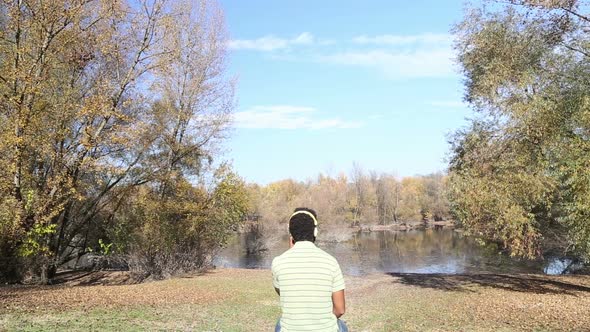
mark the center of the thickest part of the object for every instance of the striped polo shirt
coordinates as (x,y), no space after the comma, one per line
(306,277)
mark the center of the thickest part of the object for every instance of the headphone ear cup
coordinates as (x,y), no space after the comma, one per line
(315,231)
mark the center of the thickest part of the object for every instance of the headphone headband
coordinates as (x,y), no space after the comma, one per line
(315,221)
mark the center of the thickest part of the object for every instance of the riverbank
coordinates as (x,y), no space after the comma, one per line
(243,300)
(404,226)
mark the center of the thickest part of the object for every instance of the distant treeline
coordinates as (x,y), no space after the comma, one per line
(357,199)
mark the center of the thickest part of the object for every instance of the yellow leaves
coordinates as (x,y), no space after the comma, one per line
(78,109)
(34,243)
(96,105)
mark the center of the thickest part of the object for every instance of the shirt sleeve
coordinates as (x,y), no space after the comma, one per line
(275,277)
(337,280)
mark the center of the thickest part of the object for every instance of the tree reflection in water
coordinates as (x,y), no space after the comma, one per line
(430,250)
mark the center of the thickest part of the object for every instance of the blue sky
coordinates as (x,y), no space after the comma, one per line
(323,84)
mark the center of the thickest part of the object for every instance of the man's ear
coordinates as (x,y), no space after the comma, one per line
(291,241)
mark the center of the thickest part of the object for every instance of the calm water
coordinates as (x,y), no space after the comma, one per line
(414,251)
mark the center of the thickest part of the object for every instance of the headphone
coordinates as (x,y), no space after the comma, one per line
(315,221)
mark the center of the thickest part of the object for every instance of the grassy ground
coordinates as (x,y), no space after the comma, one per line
(243,300)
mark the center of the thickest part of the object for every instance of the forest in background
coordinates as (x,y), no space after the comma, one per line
(361,198)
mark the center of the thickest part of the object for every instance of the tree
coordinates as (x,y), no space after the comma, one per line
(411,196)
(358,200)
(386,199)
(65,97)
(180,233)
(388,191)
(196,99)
(519,173)
(92,95)
(434,200)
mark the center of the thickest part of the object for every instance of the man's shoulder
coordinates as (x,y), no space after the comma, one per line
(327,255)
(280,257)
(276,259)
(296,252)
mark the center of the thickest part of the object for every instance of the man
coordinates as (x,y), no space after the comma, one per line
(308,280)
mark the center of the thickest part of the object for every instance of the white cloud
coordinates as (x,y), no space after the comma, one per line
(398,63)
(304,38)
(270,42)
(426,38)
(396,56)
(400,56)
(287,117)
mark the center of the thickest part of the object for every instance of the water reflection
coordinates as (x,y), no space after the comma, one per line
(562,265)
(415,251)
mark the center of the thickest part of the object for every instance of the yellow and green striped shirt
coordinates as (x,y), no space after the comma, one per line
(306,277)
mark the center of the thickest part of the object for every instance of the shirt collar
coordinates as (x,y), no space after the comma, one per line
(304,244)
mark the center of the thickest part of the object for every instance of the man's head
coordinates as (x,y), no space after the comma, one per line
(303,225)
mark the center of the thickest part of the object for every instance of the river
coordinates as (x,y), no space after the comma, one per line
(430,250)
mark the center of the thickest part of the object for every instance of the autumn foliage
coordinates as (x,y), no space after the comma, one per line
(110,112)
(361,198)
(519,173)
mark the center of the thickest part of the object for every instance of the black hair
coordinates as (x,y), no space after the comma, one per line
(301,226)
